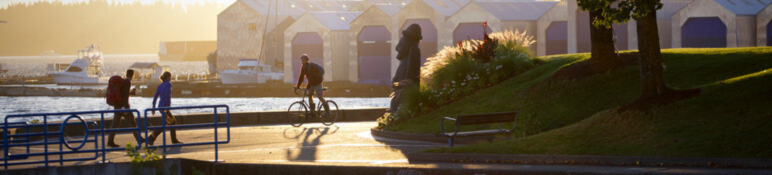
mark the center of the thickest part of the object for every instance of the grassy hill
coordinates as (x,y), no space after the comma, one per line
(732,117)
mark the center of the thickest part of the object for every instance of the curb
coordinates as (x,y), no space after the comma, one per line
(191,166)
(561,159)
(592,160)
(438,138)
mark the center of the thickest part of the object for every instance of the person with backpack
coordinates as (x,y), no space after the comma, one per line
(315,75)
(165,92)
(123,103)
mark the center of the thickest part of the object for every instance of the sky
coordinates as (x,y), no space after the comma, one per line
(6,3)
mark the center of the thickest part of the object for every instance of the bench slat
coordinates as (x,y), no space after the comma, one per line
(471,119)
(483,132)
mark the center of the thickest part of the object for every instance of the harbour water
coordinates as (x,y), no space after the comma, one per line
(113,64)
(29,105)
(116,65)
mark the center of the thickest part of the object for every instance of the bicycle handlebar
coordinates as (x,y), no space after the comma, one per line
(295,90)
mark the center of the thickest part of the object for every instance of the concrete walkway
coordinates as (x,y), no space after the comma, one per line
(346,148)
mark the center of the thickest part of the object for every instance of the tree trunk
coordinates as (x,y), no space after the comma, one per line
(652,68)
(603,55)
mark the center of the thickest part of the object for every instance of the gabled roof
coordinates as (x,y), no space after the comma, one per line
(670,7)
(324,5)
(561,5)
(296,8)
(744,7)
(284,8)
(446,7)
(390,7)
(335,20)
(516,10)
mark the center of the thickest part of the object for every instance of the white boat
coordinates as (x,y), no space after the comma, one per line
(84,70)
(250,72)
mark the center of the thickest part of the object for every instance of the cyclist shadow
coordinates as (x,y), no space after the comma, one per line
(310,139)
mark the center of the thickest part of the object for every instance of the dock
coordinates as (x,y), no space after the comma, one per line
(14,87)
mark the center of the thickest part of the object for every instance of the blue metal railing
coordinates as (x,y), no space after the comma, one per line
(91,129)
(214,124)
(62,141)
(23,140)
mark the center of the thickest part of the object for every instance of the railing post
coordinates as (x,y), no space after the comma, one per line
(61,140)
(216,148)
(228,122)
(5,144)
(163,130)
(104,159)
(45,138)
(145,124)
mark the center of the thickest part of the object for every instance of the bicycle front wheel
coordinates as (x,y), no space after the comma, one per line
(333,116)
(296,114)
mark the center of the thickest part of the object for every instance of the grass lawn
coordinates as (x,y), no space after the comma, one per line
(731,118)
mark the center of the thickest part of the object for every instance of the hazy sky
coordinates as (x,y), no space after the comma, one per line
(6,3)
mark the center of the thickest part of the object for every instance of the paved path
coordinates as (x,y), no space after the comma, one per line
(344,142)
(350,144)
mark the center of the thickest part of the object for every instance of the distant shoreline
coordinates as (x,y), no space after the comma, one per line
(70,56)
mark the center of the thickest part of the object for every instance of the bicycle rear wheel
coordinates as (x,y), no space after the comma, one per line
(296,114)
(333,116)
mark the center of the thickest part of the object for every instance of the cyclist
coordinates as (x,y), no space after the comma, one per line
(315,75)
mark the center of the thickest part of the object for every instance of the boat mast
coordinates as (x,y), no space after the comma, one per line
(265,29)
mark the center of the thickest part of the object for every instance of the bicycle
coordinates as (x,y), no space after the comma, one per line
(298,112)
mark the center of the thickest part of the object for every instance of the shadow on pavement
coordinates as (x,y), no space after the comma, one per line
(310,138)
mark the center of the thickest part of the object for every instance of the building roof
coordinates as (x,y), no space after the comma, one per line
(516,10)
(296,8)
(335,20)
(285,9)
(446,7)
(323,5)
(670,7)
(744,7)
(390,7)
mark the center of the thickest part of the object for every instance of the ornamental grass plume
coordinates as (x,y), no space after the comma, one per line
(441,69)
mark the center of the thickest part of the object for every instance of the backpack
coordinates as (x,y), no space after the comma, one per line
(318,67)
(113,95)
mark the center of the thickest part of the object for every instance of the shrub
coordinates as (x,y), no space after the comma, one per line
(454,73)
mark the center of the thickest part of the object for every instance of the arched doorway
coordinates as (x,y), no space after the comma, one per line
(769,33)
(306,43)
(557,38)
(428,44)
(465,31)
(374,51)
(703,32)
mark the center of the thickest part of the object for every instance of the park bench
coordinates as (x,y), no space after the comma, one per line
(476,119)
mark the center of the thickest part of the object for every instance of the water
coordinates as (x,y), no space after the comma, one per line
(113,64)
(29,105)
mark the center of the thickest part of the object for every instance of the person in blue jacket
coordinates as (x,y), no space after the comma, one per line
(165,92)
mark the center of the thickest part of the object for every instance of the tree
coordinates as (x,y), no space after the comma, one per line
(602,55)
(651,65)
(650,58)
